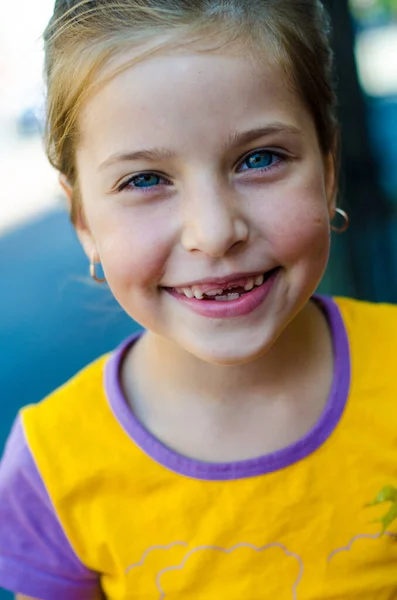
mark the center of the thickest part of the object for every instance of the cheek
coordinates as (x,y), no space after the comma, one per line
(299,228)
(305,238)
(133,247)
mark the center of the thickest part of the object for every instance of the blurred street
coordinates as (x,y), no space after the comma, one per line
(29,185)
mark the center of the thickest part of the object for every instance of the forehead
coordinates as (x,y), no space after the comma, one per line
(171,98)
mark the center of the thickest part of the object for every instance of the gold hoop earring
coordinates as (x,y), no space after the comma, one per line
(93,273)
(346,223)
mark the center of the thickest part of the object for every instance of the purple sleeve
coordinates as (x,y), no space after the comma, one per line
(36,558)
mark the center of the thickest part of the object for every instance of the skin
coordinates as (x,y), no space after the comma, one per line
(211,216)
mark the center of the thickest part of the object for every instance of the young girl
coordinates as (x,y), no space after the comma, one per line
(229,451)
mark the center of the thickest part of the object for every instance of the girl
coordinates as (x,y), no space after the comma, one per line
(228,452)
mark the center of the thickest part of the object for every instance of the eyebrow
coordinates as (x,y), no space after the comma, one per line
(154,154)
(237,138)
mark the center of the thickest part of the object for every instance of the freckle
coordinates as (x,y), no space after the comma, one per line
(318,220)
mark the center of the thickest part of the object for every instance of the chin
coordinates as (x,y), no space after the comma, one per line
(230,353)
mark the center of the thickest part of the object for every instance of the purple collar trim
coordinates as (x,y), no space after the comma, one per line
(268,463)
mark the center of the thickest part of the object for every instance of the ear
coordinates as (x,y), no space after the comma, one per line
(83,232)
(330,183)
(67,188)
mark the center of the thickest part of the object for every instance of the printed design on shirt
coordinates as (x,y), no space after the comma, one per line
(212,572)
(175,571)
(152,549)
(142,574)
(180,570)
(356,538)
(217,570)
(373,556)
(387,495)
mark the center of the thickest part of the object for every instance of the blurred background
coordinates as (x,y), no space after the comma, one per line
(52,319)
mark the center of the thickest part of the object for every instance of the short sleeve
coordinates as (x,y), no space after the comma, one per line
(36,558)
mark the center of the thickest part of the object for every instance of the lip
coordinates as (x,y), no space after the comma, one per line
(244,305)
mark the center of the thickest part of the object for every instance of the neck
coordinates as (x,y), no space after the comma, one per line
(217,413)
(303,344)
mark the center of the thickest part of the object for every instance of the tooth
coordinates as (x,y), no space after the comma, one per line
(259,280)
(198,294)
(214,292)
(227,297)
(188,292)
(249,286)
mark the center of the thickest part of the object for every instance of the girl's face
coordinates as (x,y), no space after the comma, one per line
(200,171)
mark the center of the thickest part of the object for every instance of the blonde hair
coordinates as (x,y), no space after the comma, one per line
(84,35)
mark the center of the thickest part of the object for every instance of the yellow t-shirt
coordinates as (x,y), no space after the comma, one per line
(149,524)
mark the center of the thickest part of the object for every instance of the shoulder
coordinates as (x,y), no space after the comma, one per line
(371,331)
(73,432)
(74,422)
(85,397)
(67,417)
(369,321)
(69,400)
(83,385)
(359,311)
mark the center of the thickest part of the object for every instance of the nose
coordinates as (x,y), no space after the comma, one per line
(213,221)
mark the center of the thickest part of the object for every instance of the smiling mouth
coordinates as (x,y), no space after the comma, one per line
(227,293)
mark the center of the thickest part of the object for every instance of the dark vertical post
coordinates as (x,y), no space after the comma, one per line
(366,245)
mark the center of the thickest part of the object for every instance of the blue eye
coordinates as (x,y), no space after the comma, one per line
(146,180)
(261,159)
